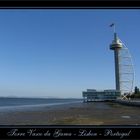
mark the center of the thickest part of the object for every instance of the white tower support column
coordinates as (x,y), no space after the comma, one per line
(116,46)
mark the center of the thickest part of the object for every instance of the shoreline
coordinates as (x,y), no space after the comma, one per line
(128,102)
(95,113)
(33,107)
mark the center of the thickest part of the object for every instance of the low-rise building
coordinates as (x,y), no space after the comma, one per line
(102,95)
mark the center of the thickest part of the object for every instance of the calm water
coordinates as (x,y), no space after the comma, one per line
(21,102)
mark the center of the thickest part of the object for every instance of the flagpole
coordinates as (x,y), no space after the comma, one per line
(114,28)
(113,25)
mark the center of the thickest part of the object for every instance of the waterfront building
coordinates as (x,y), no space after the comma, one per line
(100,95)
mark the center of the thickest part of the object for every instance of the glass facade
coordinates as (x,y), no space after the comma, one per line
(94,95)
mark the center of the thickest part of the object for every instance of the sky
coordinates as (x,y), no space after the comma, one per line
(62,52)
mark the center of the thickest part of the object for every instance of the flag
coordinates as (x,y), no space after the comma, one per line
(111,25)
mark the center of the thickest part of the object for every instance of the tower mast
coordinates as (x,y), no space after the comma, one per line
(116,45)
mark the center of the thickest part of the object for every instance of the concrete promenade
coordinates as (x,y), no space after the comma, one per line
(131,102)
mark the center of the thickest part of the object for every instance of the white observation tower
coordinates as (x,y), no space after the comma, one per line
(124,71)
